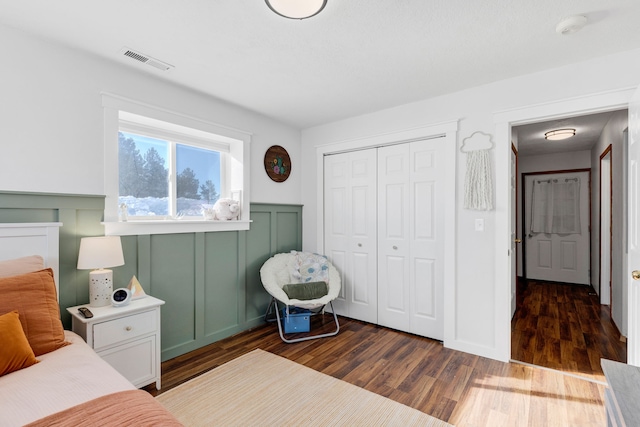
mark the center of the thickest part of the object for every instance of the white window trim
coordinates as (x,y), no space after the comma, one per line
(132,124)
(239,151)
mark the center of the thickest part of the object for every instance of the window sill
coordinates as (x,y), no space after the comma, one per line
(131,228)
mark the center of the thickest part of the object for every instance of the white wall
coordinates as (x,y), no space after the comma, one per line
(543,163)
(556,161)
(612,135)
(51,118)
(481,308)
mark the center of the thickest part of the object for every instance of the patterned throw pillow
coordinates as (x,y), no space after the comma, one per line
(310,267)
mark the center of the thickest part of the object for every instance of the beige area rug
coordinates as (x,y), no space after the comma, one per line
(262,389)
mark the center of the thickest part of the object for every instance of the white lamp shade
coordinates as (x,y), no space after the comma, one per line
(97,253)
(296,9)
(100,252)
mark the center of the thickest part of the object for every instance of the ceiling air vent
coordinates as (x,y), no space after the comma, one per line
(146,59)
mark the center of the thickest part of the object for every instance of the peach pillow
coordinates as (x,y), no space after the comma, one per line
(15,352)
(33,295)
(22,265)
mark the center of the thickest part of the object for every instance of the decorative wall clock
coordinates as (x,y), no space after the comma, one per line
(277,163)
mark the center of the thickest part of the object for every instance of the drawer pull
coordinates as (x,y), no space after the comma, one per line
(128,328)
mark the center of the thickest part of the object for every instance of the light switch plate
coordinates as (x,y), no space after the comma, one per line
(479,224)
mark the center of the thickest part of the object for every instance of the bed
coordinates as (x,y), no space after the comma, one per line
(59,379)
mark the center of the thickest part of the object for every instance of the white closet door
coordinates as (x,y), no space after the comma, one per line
(394,243)
(410,237)
(350,230)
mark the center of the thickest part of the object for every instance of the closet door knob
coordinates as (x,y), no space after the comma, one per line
(359,245)
(635,274)
(395,248)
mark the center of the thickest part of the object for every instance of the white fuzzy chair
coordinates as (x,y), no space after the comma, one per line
(275,273)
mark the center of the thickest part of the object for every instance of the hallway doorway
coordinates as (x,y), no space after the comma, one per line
(559,325)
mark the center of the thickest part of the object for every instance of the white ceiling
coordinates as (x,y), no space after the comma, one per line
(355,57)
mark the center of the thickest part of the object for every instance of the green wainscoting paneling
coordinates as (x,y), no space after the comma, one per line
(209,281)
(221,273)
(275,229)
(259,249)
(173,280)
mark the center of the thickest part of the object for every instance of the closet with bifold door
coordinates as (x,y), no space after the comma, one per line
(384,231)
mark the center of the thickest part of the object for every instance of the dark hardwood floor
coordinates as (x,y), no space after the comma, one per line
(564,327)
(461,388)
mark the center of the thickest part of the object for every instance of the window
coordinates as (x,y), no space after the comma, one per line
(148,173)
(163,168)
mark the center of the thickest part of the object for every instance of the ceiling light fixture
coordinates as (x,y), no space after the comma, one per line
(296,9)
(558,134)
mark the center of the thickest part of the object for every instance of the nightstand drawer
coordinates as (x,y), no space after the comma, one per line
(122,329)
(136,360)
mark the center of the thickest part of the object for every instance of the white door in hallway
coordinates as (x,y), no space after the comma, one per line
(411,237)
(350,230)
(557,256)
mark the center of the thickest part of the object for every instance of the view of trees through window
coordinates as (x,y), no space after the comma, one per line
(144,171)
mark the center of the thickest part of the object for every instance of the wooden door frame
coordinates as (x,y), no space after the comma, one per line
(514,150)
(523,213)
(608,150)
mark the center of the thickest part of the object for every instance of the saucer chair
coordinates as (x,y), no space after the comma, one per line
(276,272)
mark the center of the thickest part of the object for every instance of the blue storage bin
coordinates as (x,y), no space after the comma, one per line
(297,320)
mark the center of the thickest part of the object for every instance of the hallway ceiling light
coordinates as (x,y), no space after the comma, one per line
(558,134)
(296,9)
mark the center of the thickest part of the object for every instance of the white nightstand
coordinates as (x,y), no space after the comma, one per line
(128,337)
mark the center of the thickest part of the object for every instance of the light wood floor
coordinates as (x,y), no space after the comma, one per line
(457,387)
(564,327)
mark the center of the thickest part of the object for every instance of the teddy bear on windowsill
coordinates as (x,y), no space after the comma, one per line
(223,210)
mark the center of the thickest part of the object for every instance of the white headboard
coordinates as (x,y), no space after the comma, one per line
(25,239)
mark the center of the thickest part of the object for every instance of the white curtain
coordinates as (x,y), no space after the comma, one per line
(555,206)
(540,199)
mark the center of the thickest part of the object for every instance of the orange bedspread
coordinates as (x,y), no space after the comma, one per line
(125,408)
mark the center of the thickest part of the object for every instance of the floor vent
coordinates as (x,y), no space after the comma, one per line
(146,59)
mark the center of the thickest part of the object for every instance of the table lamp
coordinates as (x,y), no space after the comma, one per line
(99,253)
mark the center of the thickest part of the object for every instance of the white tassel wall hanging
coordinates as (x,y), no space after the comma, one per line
(478,183)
